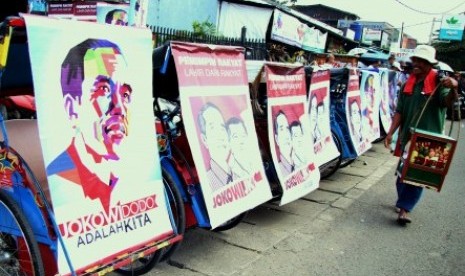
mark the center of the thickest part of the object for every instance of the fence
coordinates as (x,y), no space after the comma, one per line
(256,49)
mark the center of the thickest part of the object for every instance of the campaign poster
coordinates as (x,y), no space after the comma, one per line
(116,14)
(359,127)
(218,119)
(384,107)
(85,11)
(95,119)
(138,11)
(291,31)
(370,93)
(324,147)
(393,77)
(60,9)
(289,131)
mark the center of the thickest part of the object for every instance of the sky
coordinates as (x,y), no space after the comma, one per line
(418,21)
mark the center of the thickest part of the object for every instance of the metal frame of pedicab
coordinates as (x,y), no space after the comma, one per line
(176,156)
(22,189)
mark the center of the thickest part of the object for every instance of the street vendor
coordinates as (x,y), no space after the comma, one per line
(421,84)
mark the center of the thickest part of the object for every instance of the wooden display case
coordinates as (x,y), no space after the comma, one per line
(427,160)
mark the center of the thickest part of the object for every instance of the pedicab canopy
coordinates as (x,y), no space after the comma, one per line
(319,113)
(96,131)
(218,119)
(359,125)
(290,131)
(370,93)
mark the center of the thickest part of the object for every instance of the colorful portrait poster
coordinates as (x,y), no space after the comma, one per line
(116,14)
(384,107)
(60,9)
(324,147)
(393,90)
(218,119)
(291,31)
(85,11)
(359,127)
(289,131)
(95,120)
(370,93)
(138,11)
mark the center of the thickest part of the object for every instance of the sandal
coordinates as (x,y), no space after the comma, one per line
(403,219)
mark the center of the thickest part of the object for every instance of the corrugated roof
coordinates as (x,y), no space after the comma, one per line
(332,8)
(291,11)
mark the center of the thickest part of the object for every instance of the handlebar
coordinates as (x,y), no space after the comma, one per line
(169,112)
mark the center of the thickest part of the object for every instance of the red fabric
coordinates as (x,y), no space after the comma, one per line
(429,84)
(24,101)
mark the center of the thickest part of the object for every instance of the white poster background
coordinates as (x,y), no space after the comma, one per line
(306,176)
(244,193)
(139,167)
(370,92)
(325,149)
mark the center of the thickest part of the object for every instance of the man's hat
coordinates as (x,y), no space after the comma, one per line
(425,52)
(396,64)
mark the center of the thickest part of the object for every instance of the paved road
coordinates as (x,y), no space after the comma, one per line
(347,227)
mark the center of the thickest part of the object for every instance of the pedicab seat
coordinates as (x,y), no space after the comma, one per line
(23,137)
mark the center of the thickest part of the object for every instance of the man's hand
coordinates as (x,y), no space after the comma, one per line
(387,141)
(449,82)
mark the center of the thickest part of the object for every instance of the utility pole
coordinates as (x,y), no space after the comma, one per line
(431,31)
(401,35)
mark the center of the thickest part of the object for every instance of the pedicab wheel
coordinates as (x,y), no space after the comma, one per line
(19,250)
(177,209)
(331,167)
(145,264)
(141,265)
(335,164)
(230,223)
(346,162)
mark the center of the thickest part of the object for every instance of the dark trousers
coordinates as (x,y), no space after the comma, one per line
(408,195)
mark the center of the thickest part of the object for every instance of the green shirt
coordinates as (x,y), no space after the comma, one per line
(410,106)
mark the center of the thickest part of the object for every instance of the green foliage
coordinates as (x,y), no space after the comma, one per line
(203,28)
(452,20)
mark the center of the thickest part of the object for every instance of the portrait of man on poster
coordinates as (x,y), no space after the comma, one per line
(214,136)
(355,117)
(117,17)
(316,114)
(241,163)
(96,98)
(298,144)
(283,140)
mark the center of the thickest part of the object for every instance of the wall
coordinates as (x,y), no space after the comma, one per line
(180,14)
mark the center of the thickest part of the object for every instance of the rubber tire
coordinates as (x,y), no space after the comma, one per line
(151,262)
(230,223)
(165,253)
(26,228)
(174,194)
(326,170)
